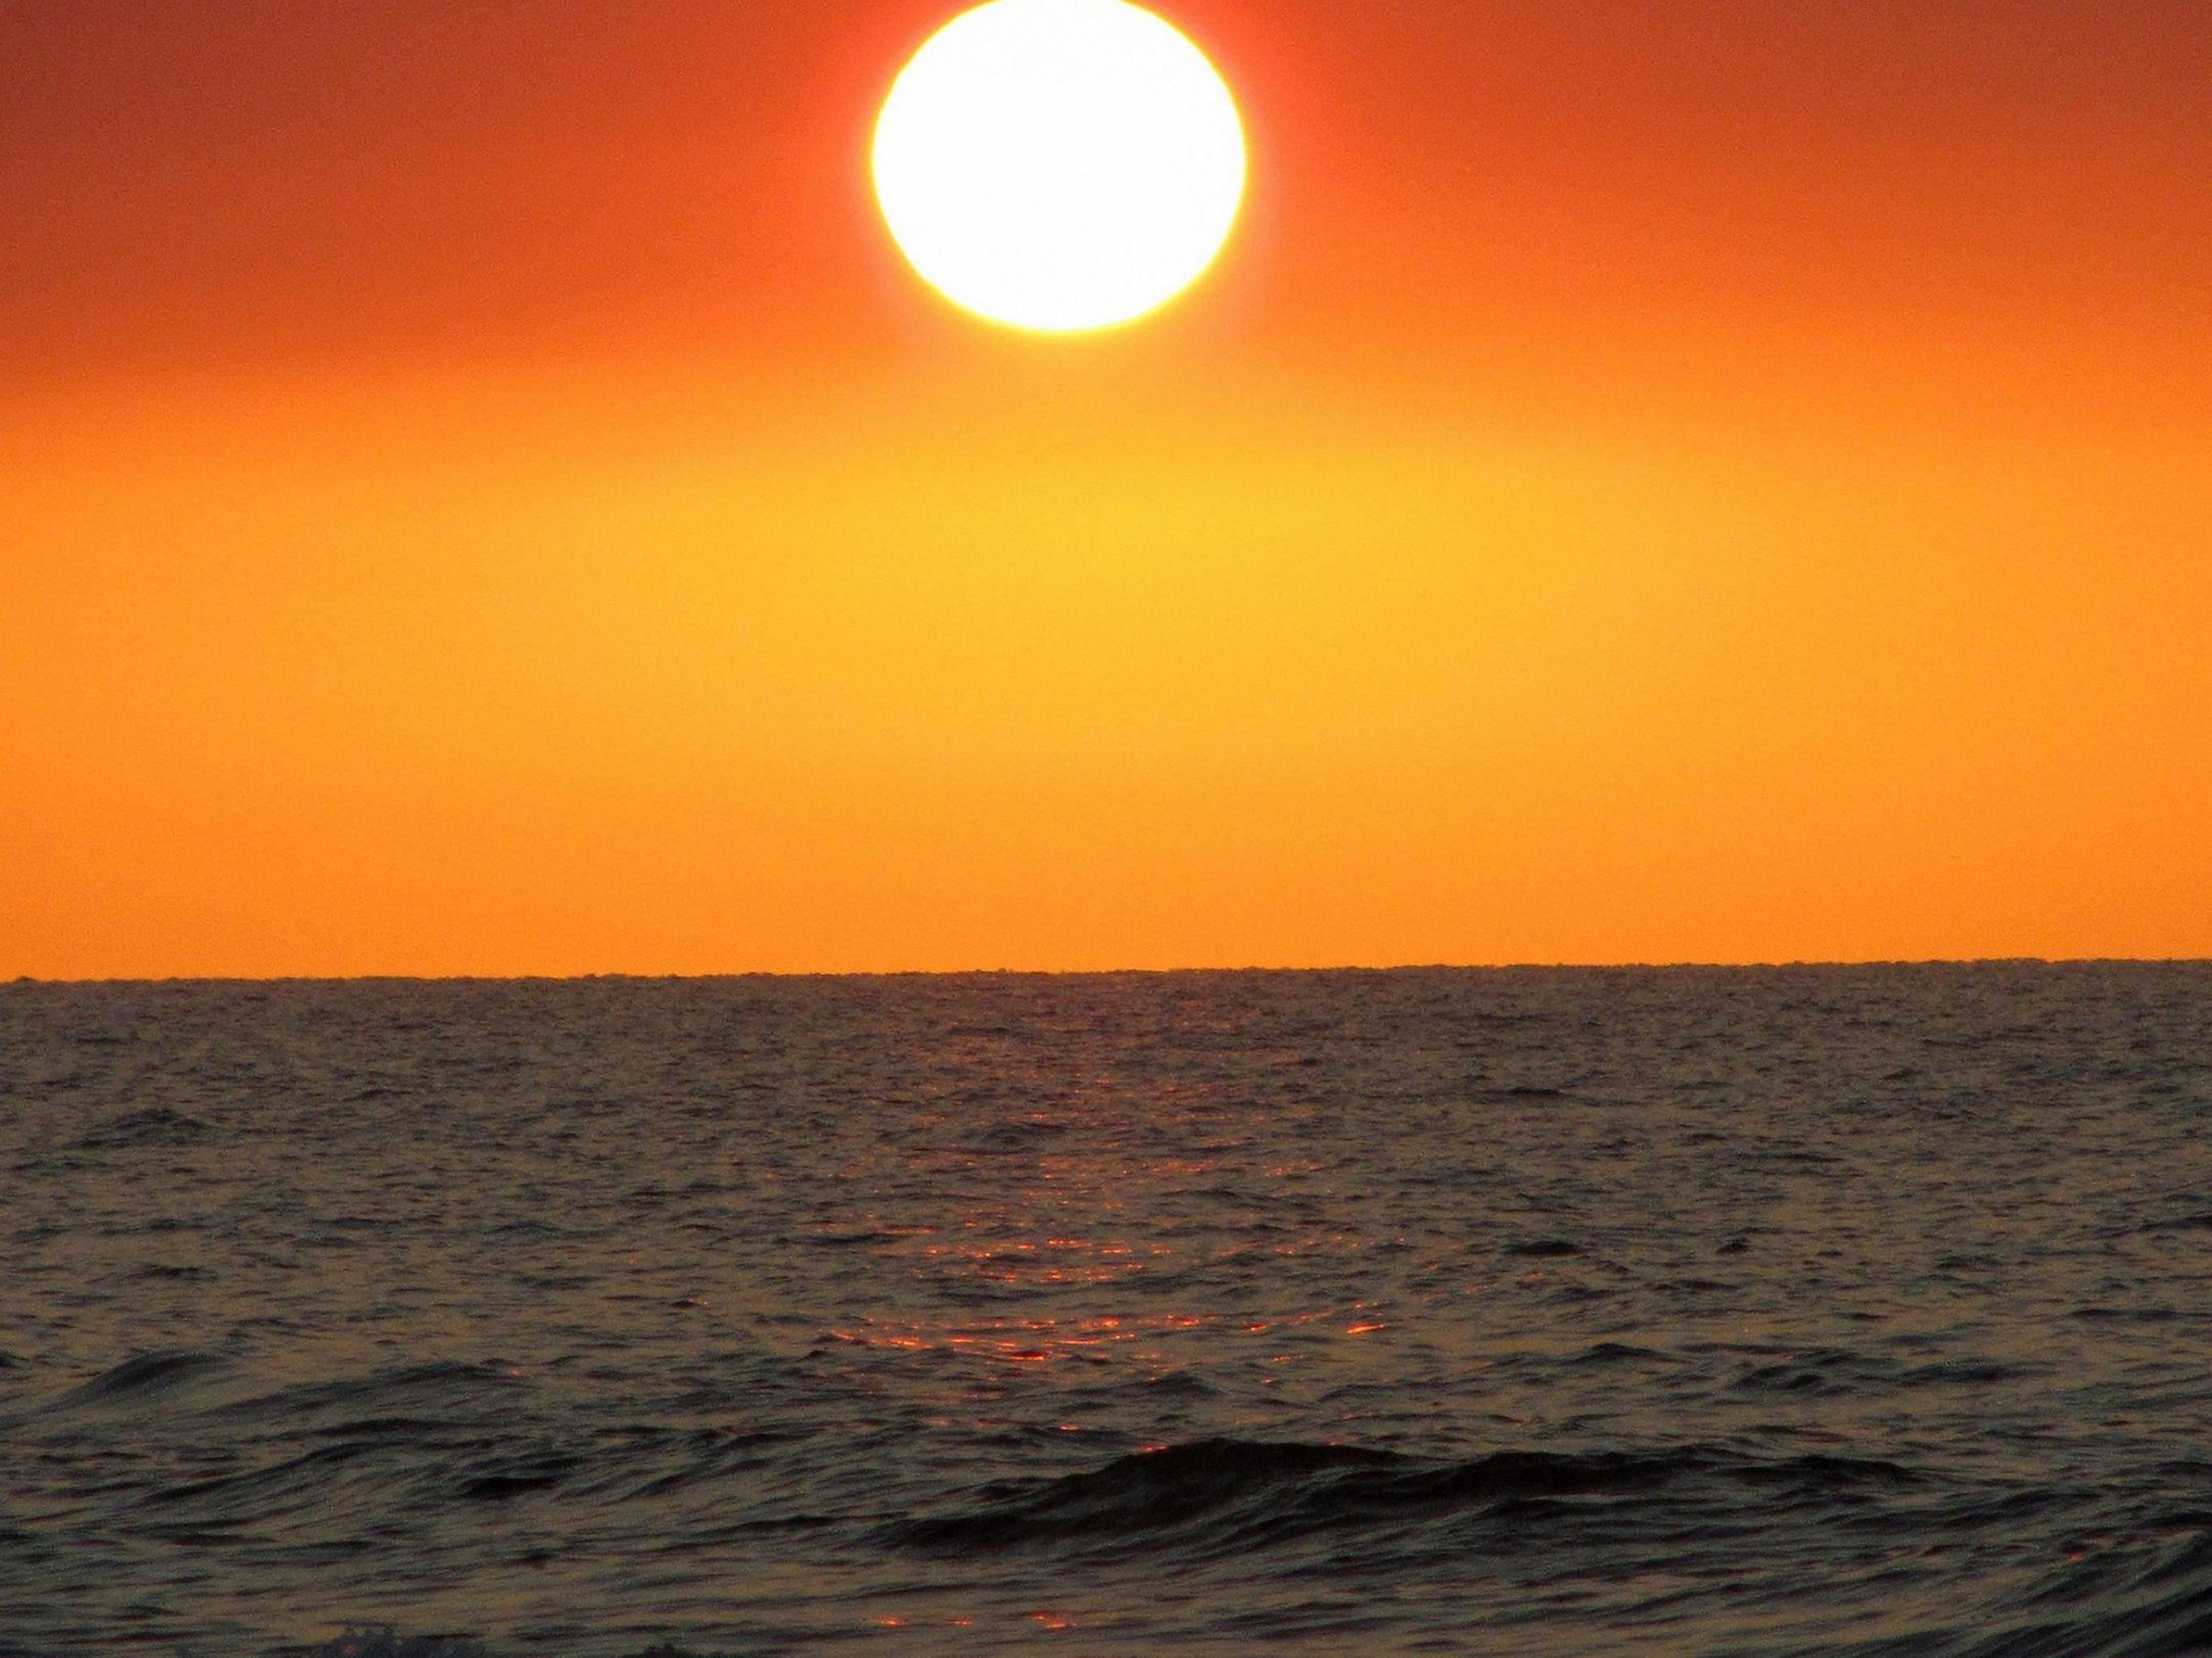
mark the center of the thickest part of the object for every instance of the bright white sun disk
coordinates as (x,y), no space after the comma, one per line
(1059,164)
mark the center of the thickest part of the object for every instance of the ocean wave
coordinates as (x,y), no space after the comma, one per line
(407,1394)
(1256,1492)
(145,1375)
(155,1124)
(2163,1609)
(2158,1606)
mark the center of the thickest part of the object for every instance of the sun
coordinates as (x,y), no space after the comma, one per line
(1059,165)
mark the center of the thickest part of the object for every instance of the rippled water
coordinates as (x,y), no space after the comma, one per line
(1814,1310)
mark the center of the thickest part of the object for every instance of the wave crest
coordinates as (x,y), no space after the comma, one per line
(1248,1492)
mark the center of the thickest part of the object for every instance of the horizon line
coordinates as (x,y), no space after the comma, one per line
(1684,966)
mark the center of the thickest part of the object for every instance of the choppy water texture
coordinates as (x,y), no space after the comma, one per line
(1814,1310)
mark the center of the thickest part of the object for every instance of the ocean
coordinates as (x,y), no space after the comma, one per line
(1798,1310)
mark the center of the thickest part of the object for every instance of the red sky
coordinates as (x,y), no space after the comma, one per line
(1716,481)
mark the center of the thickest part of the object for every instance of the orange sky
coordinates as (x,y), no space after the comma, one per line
(480,494)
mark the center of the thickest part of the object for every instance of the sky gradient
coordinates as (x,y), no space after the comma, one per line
(1718,482)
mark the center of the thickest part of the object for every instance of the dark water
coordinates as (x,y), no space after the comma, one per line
(1782,1311)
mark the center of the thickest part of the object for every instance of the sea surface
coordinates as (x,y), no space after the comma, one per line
(1802,1310)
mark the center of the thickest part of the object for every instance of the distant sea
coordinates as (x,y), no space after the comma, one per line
(1801,1310)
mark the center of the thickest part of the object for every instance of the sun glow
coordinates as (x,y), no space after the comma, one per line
(1059,165)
